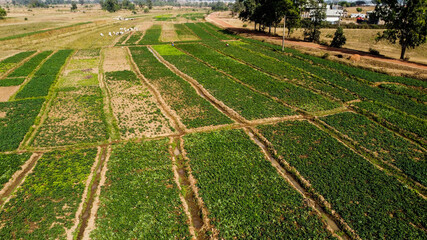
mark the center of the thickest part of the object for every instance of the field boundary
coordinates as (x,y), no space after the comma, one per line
(5,74)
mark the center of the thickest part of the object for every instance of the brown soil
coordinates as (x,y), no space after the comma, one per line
(115,60)
(3,114)
(233,26)
(7,92)
(169,33)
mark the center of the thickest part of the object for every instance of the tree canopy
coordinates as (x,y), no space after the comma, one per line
(2,13)
(405,20)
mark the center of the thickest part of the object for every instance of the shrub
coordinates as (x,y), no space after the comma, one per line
(339,38)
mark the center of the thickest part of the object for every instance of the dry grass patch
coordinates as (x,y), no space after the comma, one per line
(115,60)
(7,92)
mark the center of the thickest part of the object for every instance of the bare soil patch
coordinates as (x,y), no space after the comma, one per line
(169,33)
(3,114)
(7,92)
(115,60)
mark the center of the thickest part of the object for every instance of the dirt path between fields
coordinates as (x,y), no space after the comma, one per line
(213,17)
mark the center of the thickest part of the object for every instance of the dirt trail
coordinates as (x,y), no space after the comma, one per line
(18,178)
(89,215)
(213,17)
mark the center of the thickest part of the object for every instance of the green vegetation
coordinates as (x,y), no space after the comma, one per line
(152,35)
(134,39)
(183,32)
(45,205)
(177,92)
(140,199)
(19,118)
(208,28)
(10,62)
(192,16)
(200,32)
(416,94)
(30,66)
(165,17)
(249,104)
(382,142)
(399,119)
(372,203)
(285,91)
(244,194)
(7,82)
(9,164)
(40,84)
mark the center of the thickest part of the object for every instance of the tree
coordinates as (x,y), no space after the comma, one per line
(405,21)
(312,25)
(73,6)
(82,2)
(236,8)
(359,9)
(150,4)
(110,5)
(339,38)
(3,13)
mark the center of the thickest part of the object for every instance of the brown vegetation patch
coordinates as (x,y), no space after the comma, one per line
(7,92)
(169,33)
(115,60)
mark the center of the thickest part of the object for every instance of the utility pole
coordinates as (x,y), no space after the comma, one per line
(283,40)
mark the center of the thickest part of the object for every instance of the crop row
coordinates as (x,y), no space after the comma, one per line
(360,88)
(399,119)
(383,143)
(10,62)
(44,207)
(140,199)
(134,39)
(134,106)
(122,39)
(249,104)
(19,118)
(28,67)
(375,205)
(200,32)
(9,164)
(245,196)
(40,84)
(177,92)
(214,32)
(343,68)
(413,93)
(192,16)
(152,35)
(291,94)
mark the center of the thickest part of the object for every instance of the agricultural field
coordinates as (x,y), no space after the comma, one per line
(181,130)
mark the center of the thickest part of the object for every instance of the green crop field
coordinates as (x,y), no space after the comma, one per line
(213,136)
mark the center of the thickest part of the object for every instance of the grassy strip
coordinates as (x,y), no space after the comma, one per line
(192,16)
(9,164)
(7,82)
(19,118)
(249,104)
(200,32)
(39,85)
(46,204)
(372,203)
(244,194)
(29,66)
(177,92)
(401,120)
(134,38)
(140,199)
(152,35)
(207,27)
(291,94)
(10,62)
(41,31)
(361,88)
(383,143)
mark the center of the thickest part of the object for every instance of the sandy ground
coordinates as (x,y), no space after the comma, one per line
(115,60)
(7,92)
